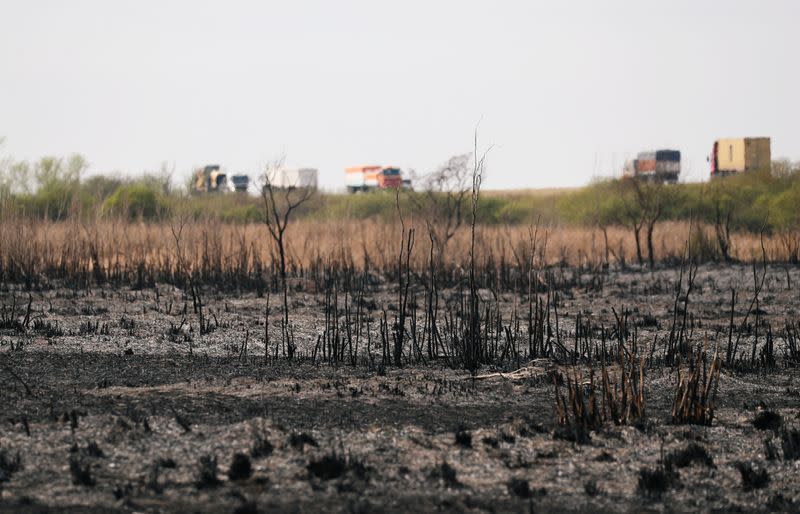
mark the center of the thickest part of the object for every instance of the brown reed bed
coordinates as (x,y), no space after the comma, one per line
(36,252)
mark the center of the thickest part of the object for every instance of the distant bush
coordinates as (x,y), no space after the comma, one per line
(101,186)
(249,213)
(374,204)
(135,201)
(784,208)
(53,201)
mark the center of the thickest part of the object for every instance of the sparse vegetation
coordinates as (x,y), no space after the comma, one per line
(333,465)
(463,437)
(81,472)
(8,465)
(207,472)
(240,468)
(655,482)
(790,443)
(697,390)
(261,448)
(753,477)
(519,487)
(447,476)
(767,420)
(692,454)
(301,440)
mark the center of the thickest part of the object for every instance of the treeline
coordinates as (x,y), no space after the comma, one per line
(57,189)
(756,203)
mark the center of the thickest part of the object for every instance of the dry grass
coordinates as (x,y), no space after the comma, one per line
(621,396)
(30,250)
(697,388)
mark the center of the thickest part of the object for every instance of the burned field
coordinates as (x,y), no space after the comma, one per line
(577,389)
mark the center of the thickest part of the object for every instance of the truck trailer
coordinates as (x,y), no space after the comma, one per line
(655,166)
(740,155)
(370,178)
(285,178)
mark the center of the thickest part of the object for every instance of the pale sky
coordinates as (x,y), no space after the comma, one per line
(564,90)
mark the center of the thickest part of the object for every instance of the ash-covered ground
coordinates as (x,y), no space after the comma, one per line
(114,401)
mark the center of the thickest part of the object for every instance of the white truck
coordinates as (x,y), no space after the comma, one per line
(284,178)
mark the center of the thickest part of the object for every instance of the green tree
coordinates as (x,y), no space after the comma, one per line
(785,217)
(718,205)
(136,200)
(632,215)
(5,185)
(100,187)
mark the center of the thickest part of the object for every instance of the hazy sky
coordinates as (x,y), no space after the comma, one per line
(563,90)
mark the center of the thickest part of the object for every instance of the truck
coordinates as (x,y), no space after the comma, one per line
(285,178)
(740,155)
(663,166)
(210,179)
(239,183)
(374,177)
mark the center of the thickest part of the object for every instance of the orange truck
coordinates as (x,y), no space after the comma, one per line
(370,178)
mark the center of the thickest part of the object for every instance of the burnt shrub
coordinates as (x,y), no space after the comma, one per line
(790,443)
(692,454)
(207,472)
(123,490)
(241,468)
(490,441)
(768,420)
(8,465)
(752,477)
(605,457)
(47,329)
(301,440)
(463,437)
(519,488)
(508,438)
(167,463)
(696,391)
(769,450)
(182,422)
(334,465)
(446,474)
(93,450)
(80,472)
(328,467)
(779,503)
(655,482)
(152,482)
(591,488)
(261,448)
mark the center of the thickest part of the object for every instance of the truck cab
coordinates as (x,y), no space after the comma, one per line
(370,178)
(210,179)
(239,183)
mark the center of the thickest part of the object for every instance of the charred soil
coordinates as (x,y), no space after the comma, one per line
(129,400)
